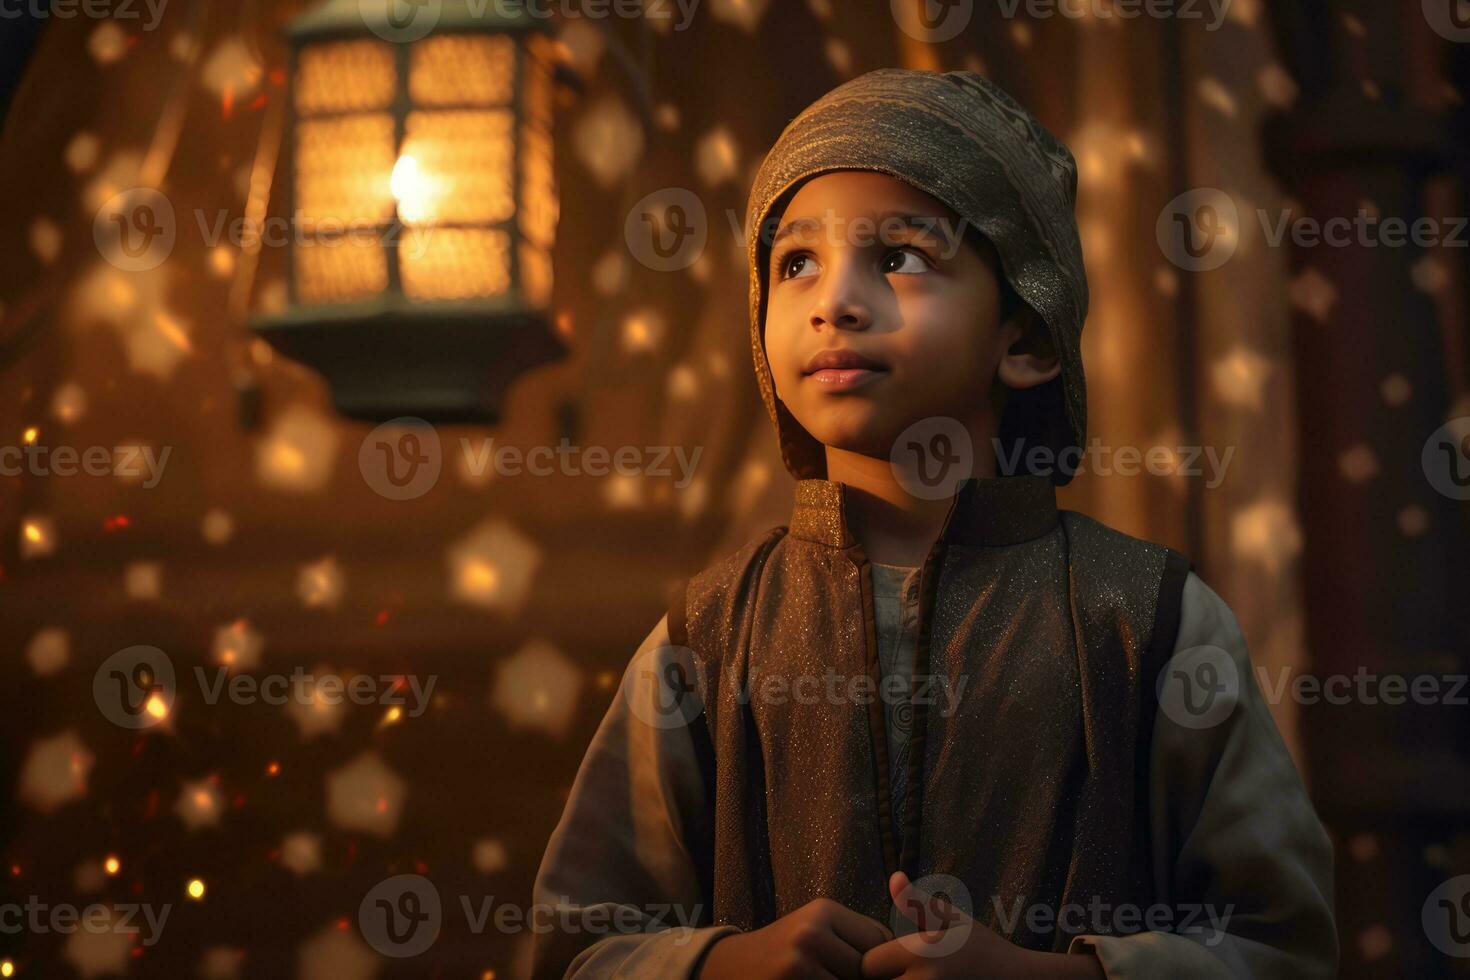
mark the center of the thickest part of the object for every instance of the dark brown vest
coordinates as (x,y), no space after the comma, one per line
(1030,791)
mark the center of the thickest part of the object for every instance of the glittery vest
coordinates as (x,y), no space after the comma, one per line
(1029,788)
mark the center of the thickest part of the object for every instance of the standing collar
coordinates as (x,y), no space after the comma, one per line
(986,512)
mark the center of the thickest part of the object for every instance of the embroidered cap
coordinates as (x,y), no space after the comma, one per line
(961,139)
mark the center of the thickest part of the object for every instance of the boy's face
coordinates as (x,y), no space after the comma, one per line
(913,307)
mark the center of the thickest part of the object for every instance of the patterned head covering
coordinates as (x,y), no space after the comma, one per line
(959,138)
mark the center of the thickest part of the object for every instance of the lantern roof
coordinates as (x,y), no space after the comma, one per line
(410,20)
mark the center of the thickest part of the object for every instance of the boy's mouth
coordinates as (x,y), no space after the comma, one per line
(842,369)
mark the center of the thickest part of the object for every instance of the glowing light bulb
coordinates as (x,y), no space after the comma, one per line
(411,188)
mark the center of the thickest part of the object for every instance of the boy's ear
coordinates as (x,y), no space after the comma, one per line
(1030,358)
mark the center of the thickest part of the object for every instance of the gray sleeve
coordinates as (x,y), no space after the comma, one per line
(1236,841)
(618,879)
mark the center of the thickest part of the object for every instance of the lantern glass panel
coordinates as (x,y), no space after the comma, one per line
(462,70)
(345,76)
(447,263)
(461,167)
(340,269)
(343,165)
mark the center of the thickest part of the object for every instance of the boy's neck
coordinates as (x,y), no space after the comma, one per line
(894,526)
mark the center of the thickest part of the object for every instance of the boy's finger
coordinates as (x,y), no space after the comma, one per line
(886,961)
(857,930)
(928,912)
(835,954)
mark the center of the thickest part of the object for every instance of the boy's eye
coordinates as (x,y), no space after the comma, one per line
(797,266)
(904,261)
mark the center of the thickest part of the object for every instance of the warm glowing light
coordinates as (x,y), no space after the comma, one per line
(157,706)
(30,436)
(481,577)
(33,533)
(411,188)
(393,715)
(288,460)
(7,968)
(196,888)
(173,330)
(273,768)
(112,864)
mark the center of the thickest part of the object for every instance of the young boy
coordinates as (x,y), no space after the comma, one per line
(927,705)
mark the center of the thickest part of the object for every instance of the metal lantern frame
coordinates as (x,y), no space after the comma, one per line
(389,356)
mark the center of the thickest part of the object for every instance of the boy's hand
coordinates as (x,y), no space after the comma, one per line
(950,943)
(823,939)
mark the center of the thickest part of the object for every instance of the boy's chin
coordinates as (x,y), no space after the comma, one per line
(874,441)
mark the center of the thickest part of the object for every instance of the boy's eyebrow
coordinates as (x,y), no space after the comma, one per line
(923,222)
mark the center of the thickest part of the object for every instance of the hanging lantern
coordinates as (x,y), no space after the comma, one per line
(421,178)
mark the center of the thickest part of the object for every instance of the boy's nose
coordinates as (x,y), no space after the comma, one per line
(843,308)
